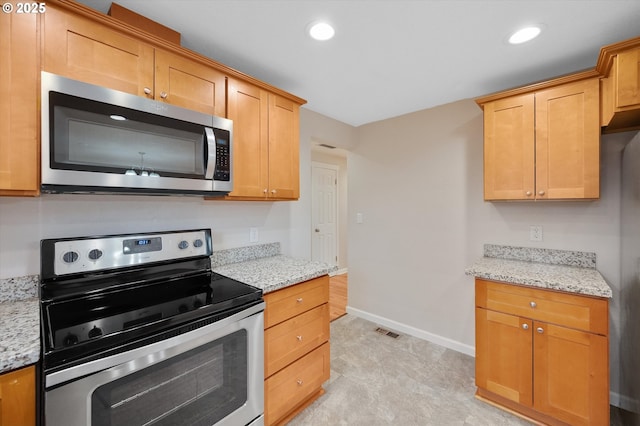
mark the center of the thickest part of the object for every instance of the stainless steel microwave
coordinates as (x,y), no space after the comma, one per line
(96,139)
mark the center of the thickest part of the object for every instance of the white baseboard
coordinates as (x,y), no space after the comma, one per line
(338,272)
(415,332)
(624,402)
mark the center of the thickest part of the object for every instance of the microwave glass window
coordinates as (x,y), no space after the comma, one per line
(124,142)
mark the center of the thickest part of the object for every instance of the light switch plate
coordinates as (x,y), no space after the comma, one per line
(253,235)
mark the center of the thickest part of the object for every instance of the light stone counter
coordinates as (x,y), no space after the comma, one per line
(569,271)
(19,323)
(262,267)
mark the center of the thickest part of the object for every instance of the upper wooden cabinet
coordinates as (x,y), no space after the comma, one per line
(82,49)
(543,142)
(19,87)
(265,143)
(620,64)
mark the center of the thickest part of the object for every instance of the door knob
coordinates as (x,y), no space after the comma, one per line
(317,230)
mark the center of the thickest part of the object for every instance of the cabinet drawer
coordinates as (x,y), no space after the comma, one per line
(289,340)
(294,300)
(285,390)
(569,310)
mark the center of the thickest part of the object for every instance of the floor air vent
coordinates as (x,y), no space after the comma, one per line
(387,332)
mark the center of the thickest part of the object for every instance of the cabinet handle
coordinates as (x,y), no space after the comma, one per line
(528,193)
(540,330)
(299,338)
(525,326)
(533,304)
(164,95)
(299,382)
(147,91)
(541,192)
(299,300)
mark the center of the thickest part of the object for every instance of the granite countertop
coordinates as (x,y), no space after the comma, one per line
(19,323)
(262,267)
(562,270)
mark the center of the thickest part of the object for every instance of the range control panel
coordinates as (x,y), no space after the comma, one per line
(111,252)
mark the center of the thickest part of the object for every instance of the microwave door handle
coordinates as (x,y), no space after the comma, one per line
(210,152)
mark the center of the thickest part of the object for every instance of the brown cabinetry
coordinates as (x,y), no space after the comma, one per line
(266,143)
(542,353)
(83,49)
(296,348)
(19,86)
(18,397)
(620,64)
(543,143)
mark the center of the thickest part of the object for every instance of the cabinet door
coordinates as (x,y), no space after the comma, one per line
(568,141)
(18,397)
(509,148)
(571,374)
(19,84)
(628,78)
(184,82)
(504,355)
(85,50)
(248,108)
(284,159)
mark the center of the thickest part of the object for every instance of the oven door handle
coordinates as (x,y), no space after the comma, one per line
(165,349)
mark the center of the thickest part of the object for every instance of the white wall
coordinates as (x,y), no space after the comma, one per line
(417,179)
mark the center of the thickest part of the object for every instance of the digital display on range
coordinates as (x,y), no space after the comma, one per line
(142,245)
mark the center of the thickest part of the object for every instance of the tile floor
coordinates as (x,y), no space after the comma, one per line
(378,380)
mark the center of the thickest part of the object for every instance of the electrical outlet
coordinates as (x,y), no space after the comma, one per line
(253,235)
(535,233)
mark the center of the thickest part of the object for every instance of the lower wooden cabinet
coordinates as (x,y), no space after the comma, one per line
(542,353)
(296,347)
(18,397)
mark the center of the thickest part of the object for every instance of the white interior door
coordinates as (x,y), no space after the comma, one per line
(324,213)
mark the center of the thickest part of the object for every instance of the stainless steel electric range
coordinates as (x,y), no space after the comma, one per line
(138,330)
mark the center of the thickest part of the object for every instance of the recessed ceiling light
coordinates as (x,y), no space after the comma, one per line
(524,35)
(321,31)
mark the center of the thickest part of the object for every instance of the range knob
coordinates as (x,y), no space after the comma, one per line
(70,257)
(198,243)
(183,245)
(95,332)
(95,254)
(70,339)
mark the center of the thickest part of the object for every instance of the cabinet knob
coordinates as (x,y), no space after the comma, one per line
(540,192)
(299,300)
(299,382)
(540,330)
(264,190)
(164,95)
(273,191)
(147,91)
(525,326)
(299,338)
(528,193)
(533,304)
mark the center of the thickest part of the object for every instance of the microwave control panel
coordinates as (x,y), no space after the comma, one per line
(223,160)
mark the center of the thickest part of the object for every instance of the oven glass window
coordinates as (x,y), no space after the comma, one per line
(198,387)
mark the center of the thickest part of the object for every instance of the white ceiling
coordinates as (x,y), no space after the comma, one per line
(389,57)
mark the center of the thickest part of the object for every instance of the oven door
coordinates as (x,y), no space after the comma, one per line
(211,375)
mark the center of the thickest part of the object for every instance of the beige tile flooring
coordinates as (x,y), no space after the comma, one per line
(379,380)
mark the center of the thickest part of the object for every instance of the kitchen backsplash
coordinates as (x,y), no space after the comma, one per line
(20,288)
(541,255)
(243,254)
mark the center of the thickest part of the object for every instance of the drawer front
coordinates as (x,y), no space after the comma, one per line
(291,386)
(568,310)
(291,339)
(294,300)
